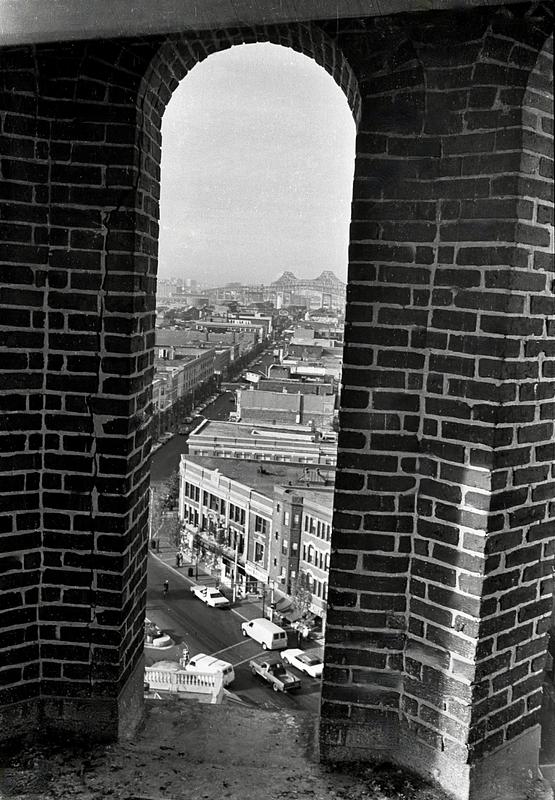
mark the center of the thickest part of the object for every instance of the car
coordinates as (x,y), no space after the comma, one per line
(210,595)
(205,663)
(309,663)
(274,673)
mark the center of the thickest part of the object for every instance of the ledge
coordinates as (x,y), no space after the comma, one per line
(185,749)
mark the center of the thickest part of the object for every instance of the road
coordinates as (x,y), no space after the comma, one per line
(209,630)
(215,631)
(166,459)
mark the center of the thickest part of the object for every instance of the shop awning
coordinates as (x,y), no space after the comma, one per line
(293,615)
(283,605)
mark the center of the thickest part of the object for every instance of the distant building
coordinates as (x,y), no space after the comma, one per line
(263,442)
(276,408)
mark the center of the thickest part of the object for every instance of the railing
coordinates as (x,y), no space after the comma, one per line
(179,681)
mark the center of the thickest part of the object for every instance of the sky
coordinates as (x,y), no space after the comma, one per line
(257,168)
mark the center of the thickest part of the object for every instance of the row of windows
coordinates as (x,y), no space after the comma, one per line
(236,514)
(213,502)
(217,504)
(257,455)
(316,557)
(320,589)
(191,491)
(318,528)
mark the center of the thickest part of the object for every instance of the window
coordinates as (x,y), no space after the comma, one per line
(296,519)
(327,561)
(275,562)
(284,547)
(260,524)
(278,507)
(294,547)
(304,552)
(286,517)
(258,552)
(310,554)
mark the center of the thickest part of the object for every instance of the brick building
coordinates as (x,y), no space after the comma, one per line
(440,576)
(269,523)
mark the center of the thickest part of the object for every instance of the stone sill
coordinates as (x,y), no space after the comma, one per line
(189,750)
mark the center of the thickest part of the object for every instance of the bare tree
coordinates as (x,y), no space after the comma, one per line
(301,594)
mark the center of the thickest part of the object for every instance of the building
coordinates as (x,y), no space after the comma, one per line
(260,406)
(296,445)
(230,504)
(266,526)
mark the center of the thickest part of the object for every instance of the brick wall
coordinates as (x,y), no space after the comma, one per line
(439,587)
(80,160)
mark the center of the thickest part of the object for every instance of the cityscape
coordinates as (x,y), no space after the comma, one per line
(245,401)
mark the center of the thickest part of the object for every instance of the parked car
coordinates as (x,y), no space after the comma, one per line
(274,673)
(205,663)
(309,663)
(266,633)
(211,596)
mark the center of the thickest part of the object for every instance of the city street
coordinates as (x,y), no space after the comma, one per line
(203,629)
(216,632)
(166,459)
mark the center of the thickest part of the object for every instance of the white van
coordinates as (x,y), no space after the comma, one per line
(266,633)
(204,663)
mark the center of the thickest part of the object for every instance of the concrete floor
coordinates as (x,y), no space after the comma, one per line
(188,750)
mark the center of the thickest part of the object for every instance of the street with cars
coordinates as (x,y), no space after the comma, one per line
(217,632)
(214,628)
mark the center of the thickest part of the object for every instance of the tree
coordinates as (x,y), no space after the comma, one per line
(164,523)
(301,594)
(170,492)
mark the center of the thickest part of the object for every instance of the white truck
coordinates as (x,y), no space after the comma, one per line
(274,673)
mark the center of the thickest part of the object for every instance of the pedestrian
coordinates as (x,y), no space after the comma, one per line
(166,587)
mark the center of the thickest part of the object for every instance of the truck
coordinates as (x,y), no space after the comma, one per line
(274,673)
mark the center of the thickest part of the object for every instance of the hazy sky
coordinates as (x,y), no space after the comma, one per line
(257,166)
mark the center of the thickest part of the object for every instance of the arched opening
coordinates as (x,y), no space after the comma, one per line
(256,180)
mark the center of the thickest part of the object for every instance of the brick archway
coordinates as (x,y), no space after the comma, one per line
(438,525)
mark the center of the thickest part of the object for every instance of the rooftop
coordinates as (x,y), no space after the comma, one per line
(262,476)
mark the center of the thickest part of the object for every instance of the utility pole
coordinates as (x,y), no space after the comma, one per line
(235,560)
(271,601)
(150,513)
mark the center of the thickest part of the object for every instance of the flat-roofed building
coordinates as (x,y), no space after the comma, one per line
(267,526)
(262,442)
